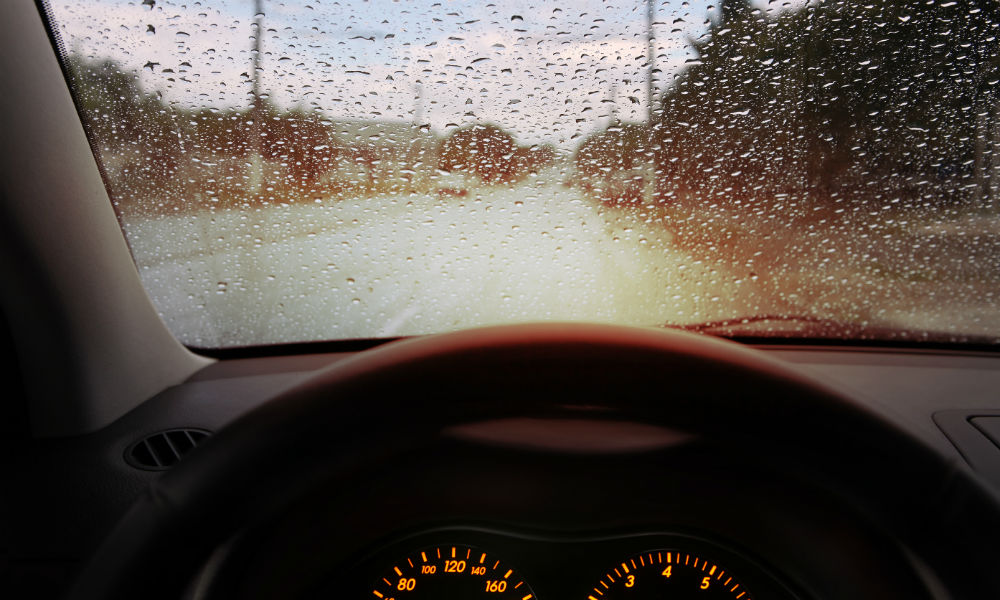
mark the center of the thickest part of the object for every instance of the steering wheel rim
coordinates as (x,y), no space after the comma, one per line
(717,389)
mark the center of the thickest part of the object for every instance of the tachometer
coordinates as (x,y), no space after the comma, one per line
(451,572)
(668,573)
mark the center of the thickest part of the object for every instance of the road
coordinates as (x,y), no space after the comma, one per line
(540,251)
(399,265)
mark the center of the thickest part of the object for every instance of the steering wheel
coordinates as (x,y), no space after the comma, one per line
(414,388)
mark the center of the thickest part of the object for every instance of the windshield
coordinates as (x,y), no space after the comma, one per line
(289,172)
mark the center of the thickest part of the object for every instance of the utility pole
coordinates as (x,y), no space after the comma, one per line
(613,103)
(255,167)
(650,61)
(417,153)
(257,46)
(649,165)
(418,104)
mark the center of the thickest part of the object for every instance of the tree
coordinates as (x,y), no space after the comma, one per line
(607,161)
(303,142)
(620,147)
(483,150)
(832,96)
(733,12)
(123,119)
(146,136)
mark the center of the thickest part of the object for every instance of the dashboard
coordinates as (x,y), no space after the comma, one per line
(666,565)
(477,518)
(561,497)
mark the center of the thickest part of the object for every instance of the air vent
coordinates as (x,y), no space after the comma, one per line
(163,449)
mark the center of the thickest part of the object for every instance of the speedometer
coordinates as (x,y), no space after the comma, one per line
(668,573)
(451,572)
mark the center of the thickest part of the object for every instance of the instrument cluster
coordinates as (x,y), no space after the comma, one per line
(478,564)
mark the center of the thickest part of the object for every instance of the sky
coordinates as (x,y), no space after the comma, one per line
(548,72)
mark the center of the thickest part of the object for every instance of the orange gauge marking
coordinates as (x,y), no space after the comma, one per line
(465,569)
(700,571)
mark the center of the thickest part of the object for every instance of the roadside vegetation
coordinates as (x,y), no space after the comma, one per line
(794,140)
(834,108)
(166,159)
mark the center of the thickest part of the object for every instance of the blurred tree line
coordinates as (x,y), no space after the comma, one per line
(877,100)
(872,99)
(492,154)
(174,153)
(150,138)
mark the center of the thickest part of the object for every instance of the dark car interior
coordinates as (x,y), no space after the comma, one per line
(557,460)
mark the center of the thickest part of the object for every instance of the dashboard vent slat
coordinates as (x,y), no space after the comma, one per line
(163,449)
